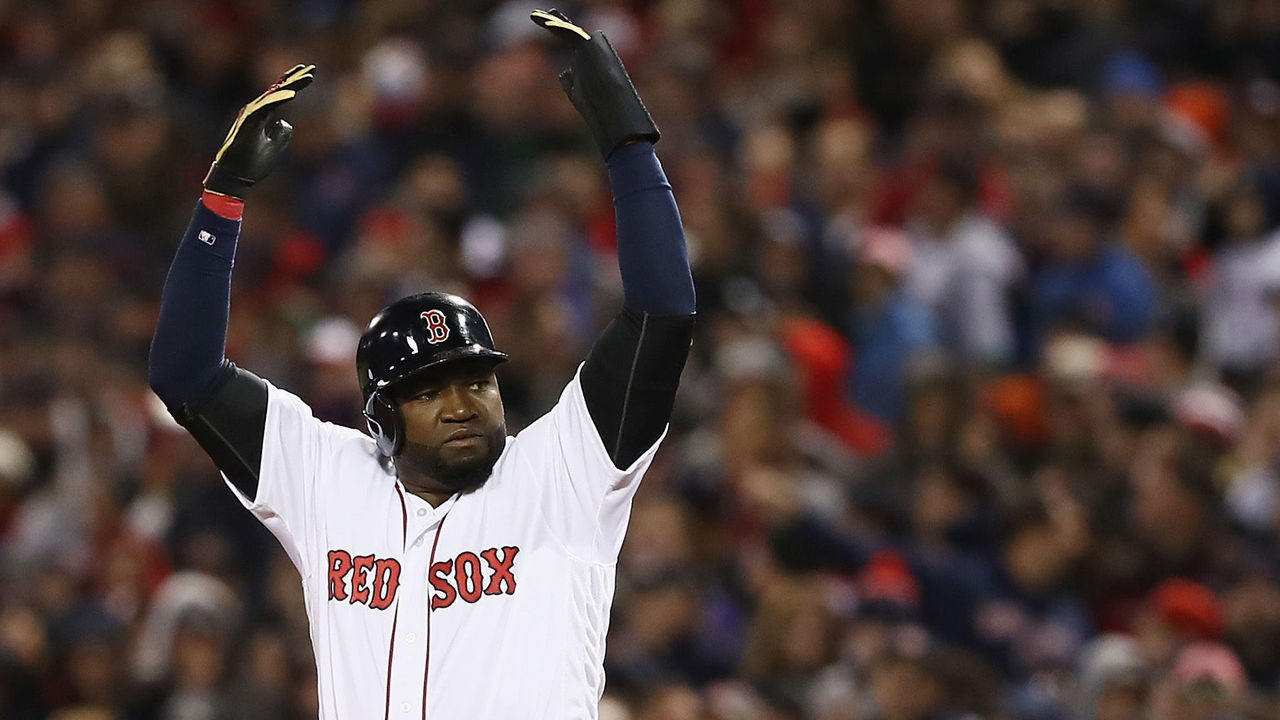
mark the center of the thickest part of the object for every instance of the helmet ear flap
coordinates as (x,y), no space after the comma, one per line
(385,424)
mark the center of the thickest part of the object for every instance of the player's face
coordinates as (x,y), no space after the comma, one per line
(455,428)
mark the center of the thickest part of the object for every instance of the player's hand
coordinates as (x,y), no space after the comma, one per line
(598,85)
(257,138)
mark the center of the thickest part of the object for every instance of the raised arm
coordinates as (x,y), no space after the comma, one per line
(222,406)
(630,377)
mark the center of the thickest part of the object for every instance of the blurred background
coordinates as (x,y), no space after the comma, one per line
(982,418)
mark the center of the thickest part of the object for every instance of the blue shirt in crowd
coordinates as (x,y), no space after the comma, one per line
(1110,294)
(884,339)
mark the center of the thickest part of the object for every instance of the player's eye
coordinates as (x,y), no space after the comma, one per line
(479,385)
(426,395)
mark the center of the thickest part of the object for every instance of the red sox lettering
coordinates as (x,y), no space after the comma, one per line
(363,579)
(372,581)
(463,576)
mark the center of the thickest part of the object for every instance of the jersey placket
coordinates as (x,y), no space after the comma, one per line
(409,673)
(395,619)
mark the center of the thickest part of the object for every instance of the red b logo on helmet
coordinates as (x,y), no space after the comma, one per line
(437,328)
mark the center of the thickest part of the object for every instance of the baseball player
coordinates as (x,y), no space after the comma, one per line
(449,571)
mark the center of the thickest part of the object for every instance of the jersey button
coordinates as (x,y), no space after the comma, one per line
(421,512)
(404,707)
(417,542)
(410,638)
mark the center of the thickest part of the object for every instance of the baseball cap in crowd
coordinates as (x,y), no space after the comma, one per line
(887,248)
(1210,665)
(1211,409)
(887,588)
(1076,358)
(1189,607)
(1110,660)
(1204,105)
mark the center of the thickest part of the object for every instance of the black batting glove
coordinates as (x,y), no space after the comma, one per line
(258,137)
(598,85)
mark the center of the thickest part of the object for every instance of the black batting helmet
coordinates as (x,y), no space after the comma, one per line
(406,338)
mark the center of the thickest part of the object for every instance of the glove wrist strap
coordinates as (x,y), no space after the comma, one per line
(223,205)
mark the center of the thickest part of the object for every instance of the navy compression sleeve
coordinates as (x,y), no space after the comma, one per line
(190,340)
(651,252)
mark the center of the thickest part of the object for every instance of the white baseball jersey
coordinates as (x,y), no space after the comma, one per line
(493,605)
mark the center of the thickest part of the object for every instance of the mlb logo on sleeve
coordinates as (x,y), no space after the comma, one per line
(206,237)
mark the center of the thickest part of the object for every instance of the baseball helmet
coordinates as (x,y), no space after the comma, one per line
(406,338)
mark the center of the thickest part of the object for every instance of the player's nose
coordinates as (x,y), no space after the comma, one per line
(457,405)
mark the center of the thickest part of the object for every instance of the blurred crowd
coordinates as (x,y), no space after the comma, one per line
(983,414)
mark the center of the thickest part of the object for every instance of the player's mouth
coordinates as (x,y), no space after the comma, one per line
(463,438)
